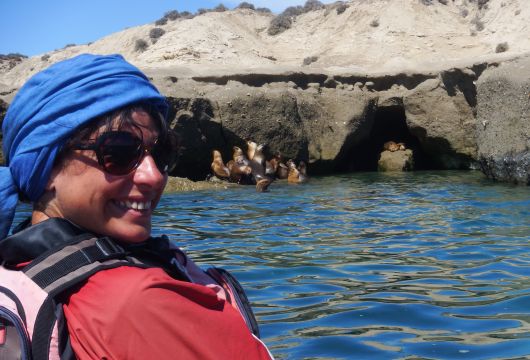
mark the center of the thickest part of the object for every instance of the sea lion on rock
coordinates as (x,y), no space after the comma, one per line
(302,168)
(257,164)
(390,146)
(271,166)
(219,169)
(283,171)
(251,149)
(295,176)
(240,170)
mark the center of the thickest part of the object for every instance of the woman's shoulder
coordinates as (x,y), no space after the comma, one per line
(141,286)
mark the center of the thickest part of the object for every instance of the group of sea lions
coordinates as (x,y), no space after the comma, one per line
(253,169)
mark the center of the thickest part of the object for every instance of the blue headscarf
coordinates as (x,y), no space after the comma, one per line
(50,107)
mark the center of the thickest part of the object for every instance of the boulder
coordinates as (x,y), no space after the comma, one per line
(503,126)
(401,160)
(440,115)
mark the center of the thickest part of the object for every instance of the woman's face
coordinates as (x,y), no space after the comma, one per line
(117,206)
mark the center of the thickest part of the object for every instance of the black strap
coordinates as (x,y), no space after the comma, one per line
(42,332)
(96,250)
(16,300)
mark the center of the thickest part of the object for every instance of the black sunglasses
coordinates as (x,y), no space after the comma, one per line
(120,152)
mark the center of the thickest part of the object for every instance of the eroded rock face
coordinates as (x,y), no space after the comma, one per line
(337,124)
(503,131)
(440,114)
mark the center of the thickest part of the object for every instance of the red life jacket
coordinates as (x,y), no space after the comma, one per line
(31,319)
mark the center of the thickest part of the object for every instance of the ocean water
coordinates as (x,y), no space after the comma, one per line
(420,265)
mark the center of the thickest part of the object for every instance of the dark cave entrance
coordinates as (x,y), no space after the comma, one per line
(389,124)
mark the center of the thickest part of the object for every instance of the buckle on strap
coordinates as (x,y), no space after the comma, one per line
(109,248)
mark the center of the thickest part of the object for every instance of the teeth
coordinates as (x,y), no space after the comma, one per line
(136,205)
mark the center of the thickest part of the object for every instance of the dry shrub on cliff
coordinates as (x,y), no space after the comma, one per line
(374,23)
(186,15)
(479,25)
(202,11)
(284,21)
(341,8)
(140,45)
(245,5)
(220,8)
(156,33)
(13,56)
(45,57)
(161,21)
(481,3)
(293,11)
(310,59)
(313,5)
(11,60)
(279,24)
(172,15)
(264,10)
(502,47)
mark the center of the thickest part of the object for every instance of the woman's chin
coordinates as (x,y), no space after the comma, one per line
(132,234)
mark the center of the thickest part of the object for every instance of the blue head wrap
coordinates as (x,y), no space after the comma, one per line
(50,107)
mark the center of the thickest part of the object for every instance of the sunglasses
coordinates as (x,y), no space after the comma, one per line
(120,152)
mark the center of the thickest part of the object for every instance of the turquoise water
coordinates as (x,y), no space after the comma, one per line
(424,265)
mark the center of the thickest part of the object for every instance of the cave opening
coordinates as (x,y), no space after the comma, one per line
(389,124)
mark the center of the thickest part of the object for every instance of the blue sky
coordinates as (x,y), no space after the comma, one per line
(32,27)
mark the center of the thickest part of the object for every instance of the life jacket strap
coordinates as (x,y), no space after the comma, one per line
(74,258)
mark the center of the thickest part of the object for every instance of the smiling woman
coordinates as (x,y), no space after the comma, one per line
(86,142)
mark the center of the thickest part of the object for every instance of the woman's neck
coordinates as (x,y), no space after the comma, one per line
(38,216)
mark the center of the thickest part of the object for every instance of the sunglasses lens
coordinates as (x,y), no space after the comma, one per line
(164,154)
(119,152)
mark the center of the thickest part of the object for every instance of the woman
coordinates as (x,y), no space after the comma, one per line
(86,142)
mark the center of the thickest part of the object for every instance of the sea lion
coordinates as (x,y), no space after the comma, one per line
(271,166)
(257,164)
(401,146)
(251,149)
(219,169)
(302,169)
(295,177)
(263,185)
(283,171)
(259,155)
(240,170)
(390,146)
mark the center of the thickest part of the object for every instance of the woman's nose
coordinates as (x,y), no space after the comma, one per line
(148,173)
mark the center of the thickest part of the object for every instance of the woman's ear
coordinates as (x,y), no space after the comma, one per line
(50,185)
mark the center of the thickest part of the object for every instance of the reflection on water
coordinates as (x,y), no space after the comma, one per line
(424,265)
